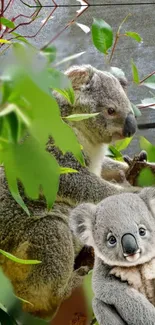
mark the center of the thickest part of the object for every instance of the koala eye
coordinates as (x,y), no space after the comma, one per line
(142,232)
(112,240)
(111,111)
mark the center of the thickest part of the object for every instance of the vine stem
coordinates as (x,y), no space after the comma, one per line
(118,35)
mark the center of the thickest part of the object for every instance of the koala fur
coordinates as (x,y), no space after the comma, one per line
(46,236)
(121,229)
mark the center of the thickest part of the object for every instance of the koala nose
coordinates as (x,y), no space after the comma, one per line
(129,244)
(130,125)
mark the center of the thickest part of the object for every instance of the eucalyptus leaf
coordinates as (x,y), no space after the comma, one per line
(6,22)
(66,170)
(135,73)
(102,35)
(80,117)
(146,178)
(4,41)
(18,260)
(134,35)
(148,147)
(58,80)
(68,94)
(116,153)
(122,144)
(69,58)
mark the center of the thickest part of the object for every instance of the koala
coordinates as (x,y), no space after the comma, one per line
(121,229)
(46,236)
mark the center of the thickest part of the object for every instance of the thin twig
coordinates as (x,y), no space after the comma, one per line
(140,106)
(148,76)
(118,35)
(63,29)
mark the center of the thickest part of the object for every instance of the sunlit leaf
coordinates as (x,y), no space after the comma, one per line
(68,94)
(102,35)
(66,170)
(122,144)
(6,22)
(135,73)
(23,300)
(5,41)
(80,117)
(150,82)
(18,260)
(149,148)
(134,35)
(19,37)
(146,178)
(85,28)
(117,155)
(69,58)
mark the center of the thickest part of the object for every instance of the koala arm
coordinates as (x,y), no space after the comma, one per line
(106,314)
(113,170)
(131,305)
(83,186)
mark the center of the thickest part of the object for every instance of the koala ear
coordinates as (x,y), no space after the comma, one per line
(81,222)
(120,75)
(148,196)
(80,75)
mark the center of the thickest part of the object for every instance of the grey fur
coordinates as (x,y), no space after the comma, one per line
(116,302)
(47,236)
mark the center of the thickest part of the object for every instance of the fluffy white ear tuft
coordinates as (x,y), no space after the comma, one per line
(81,222)
(148,196)
(80,75)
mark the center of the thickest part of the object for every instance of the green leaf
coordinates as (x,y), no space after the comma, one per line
(87,285)
(43,112)
(69,58)
(134,35)
(18,260)
(5,41)
(102,35)
(20,37)
(58,80)
(6,22)
(135,74)
(37,169)
(66,170)
(50,53)
(80,117)
(149,148)
(150,82)
(68,94)
(136,111)
(6,319)
(122,144)
(146,178)
(23,300)
(116,153)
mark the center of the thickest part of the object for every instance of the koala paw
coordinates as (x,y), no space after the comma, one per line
(83,270)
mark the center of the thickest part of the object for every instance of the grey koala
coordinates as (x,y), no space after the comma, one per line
(121,229)
(46,236)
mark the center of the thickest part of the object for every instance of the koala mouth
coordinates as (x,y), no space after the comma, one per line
(132,257)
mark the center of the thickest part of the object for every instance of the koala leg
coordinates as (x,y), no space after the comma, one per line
(106,314)
(43,285)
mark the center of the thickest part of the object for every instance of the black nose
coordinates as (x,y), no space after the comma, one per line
(130,125)
(129,244)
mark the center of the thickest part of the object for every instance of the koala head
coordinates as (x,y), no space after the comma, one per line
(101,92)
(121,228)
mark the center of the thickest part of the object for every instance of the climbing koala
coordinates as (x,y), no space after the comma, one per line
(121,229)
(46,236)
